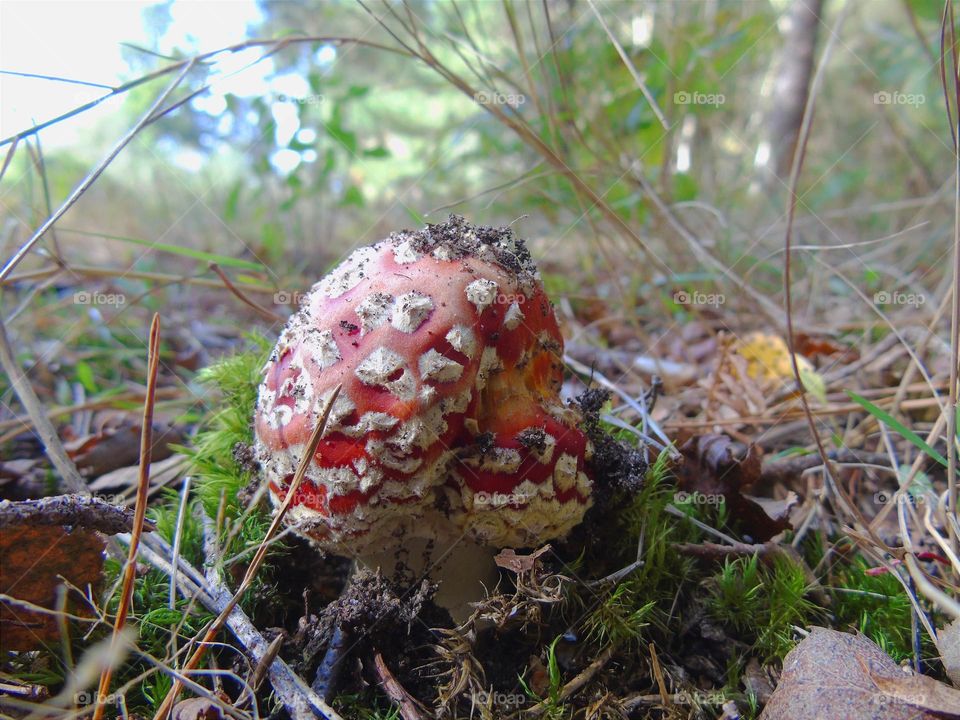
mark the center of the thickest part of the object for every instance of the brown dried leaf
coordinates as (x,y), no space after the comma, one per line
(197,709)
(32,559)
(509,560)
(715,465)
(835,674)
(948,642)
(117,445)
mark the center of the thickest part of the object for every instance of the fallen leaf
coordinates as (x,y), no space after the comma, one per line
(810,346)
(756,680)
(117,445)
(198,708)
(833,674)
(539,677)
(32,559)
(948,642)
(509,560)
(715,466)
(768,358)
(918,690)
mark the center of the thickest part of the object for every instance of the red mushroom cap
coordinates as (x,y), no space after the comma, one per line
(449,418)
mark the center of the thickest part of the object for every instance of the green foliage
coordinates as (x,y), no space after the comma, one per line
(646,595)
(877,606)
(892,422)
(762,603)
(220,476)
(364,707)
(553,706)
(620,616)
(165,514)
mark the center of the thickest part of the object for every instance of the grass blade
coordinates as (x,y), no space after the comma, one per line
(891,422)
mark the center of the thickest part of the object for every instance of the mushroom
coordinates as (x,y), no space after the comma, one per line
(449,437)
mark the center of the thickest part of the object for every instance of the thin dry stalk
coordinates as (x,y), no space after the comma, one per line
(45,429)
(951,92)
(140,510)
(394,690)
(261,310)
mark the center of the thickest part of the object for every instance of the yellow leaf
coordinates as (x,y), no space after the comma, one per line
(768,358)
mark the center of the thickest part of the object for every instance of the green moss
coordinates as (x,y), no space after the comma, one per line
(647,595)
(877,606)
(761,604)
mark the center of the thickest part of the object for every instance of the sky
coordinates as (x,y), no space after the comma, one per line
(82,40)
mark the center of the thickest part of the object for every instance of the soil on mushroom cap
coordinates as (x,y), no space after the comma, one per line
(462,239)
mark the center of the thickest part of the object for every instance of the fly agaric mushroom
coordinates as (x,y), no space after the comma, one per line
(449,422)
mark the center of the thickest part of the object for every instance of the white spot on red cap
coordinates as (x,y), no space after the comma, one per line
(496,460)
(513,316)
(443,252)
(342,407)
(462,339)
(322,348)
(545,454)
(373,311)
(565,472)
(410,310)
(490,363)
(392,457)
(386,368)
(348,274)
(434,366)
(482,293)
(404,254)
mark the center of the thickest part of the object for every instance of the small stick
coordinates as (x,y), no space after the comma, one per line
(790,467)
(658,674)
(164,710)
(177,538)
(80,510)
(394,690)
(260,671)
(582,678)
(267,314)
(140,509)
(331,667)
(31,403)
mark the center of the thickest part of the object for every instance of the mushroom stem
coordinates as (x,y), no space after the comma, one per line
(463,570)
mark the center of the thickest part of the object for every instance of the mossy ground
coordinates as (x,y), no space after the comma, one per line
(704,620)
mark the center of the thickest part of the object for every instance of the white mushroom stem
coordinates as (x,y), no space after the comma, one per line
(464,571)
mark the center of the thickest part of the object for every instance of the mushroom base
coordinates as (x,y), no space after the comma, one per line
(463,570)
